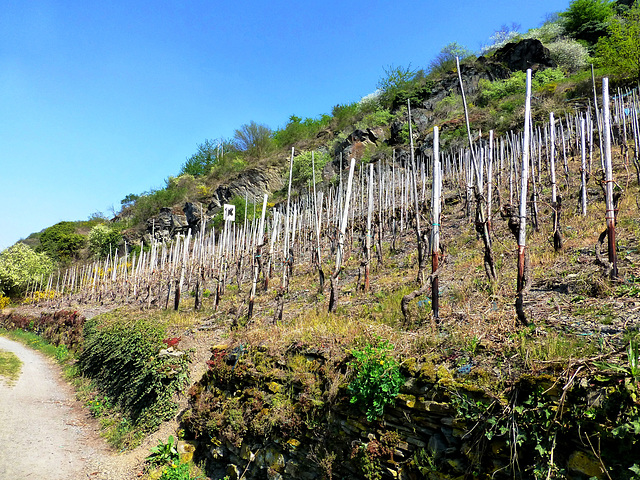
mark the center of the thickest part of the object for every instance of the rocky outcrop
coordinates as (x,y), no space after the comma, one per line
(252,183)
(356,143)
(528,53)
(165,225)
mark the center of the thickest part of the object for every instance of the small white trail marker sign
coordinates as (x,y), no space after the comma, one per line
(229,212)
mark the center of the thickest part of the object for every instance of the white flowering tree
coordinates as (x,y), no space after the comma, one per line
(20,266)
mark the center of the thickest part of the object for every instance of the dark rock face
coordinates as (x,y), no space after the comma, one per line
(251,184)
(165,225)
(529,53)
(370,136)
(193,213)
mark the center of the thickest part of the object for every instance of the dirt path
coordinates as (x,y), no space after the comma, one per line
(44,431)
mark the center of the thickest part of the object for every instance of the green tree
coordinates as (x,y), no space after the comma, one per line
(21,266)
(446,59)
(254,139)
(61,242)
(209,154)
(588,19)
(129,200)
(103,240)
(397,86)
(621,49)
(395,79)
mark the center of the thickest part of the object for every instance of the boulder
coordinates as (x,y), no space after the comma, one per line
(528,53)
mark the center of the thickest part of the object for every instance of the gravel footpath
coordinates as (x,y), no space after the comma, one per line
(44,431)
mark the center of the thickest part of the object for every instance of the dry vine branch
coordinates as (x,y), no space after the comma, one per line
(404,303)
(511,214)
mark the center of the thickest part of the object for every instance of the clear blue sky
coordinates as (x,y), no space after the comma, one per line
(99,99)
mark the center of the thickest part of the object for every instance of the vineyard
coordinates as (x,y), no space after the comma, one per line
(434,289)
(537,183)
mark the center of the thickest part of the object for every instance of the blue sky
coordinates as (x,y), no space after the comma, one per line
(102,99)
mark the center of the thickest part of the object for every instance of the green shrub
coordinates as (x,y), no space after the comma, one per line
(298,129)
(20,267)
(61,242)
(254,139)
(104,240)
(445,61)
(150,203)
(449,105)
(401,84)
(122,357)
(569,54)
(377,379)
(620,50)
(515,84)
(179,471)
(345,115)
(302,172)
(378,118)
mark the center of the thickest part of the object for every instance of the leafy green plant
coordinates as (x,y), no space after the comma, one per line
(515,84)
(620,50)
(122,357)
(298,129)
(377,379)
(633,353)
(98,406)
(346,114)
(210,154)
(587,19)
(254,139)
(179,471)
(164,453)
(445,60)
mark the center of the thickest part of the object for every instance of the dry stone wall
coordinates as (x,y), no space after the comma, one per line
(290,417)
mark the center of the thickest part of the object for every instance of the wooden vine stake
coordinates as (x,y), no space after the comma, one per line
(316,256)
(608,172)
(583,168)
(556,201)
(367,259)
(436,265)
(287,252)
(419,238)
(436,190)
(257,265)
(333,298)
(522,283)
(482,226)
